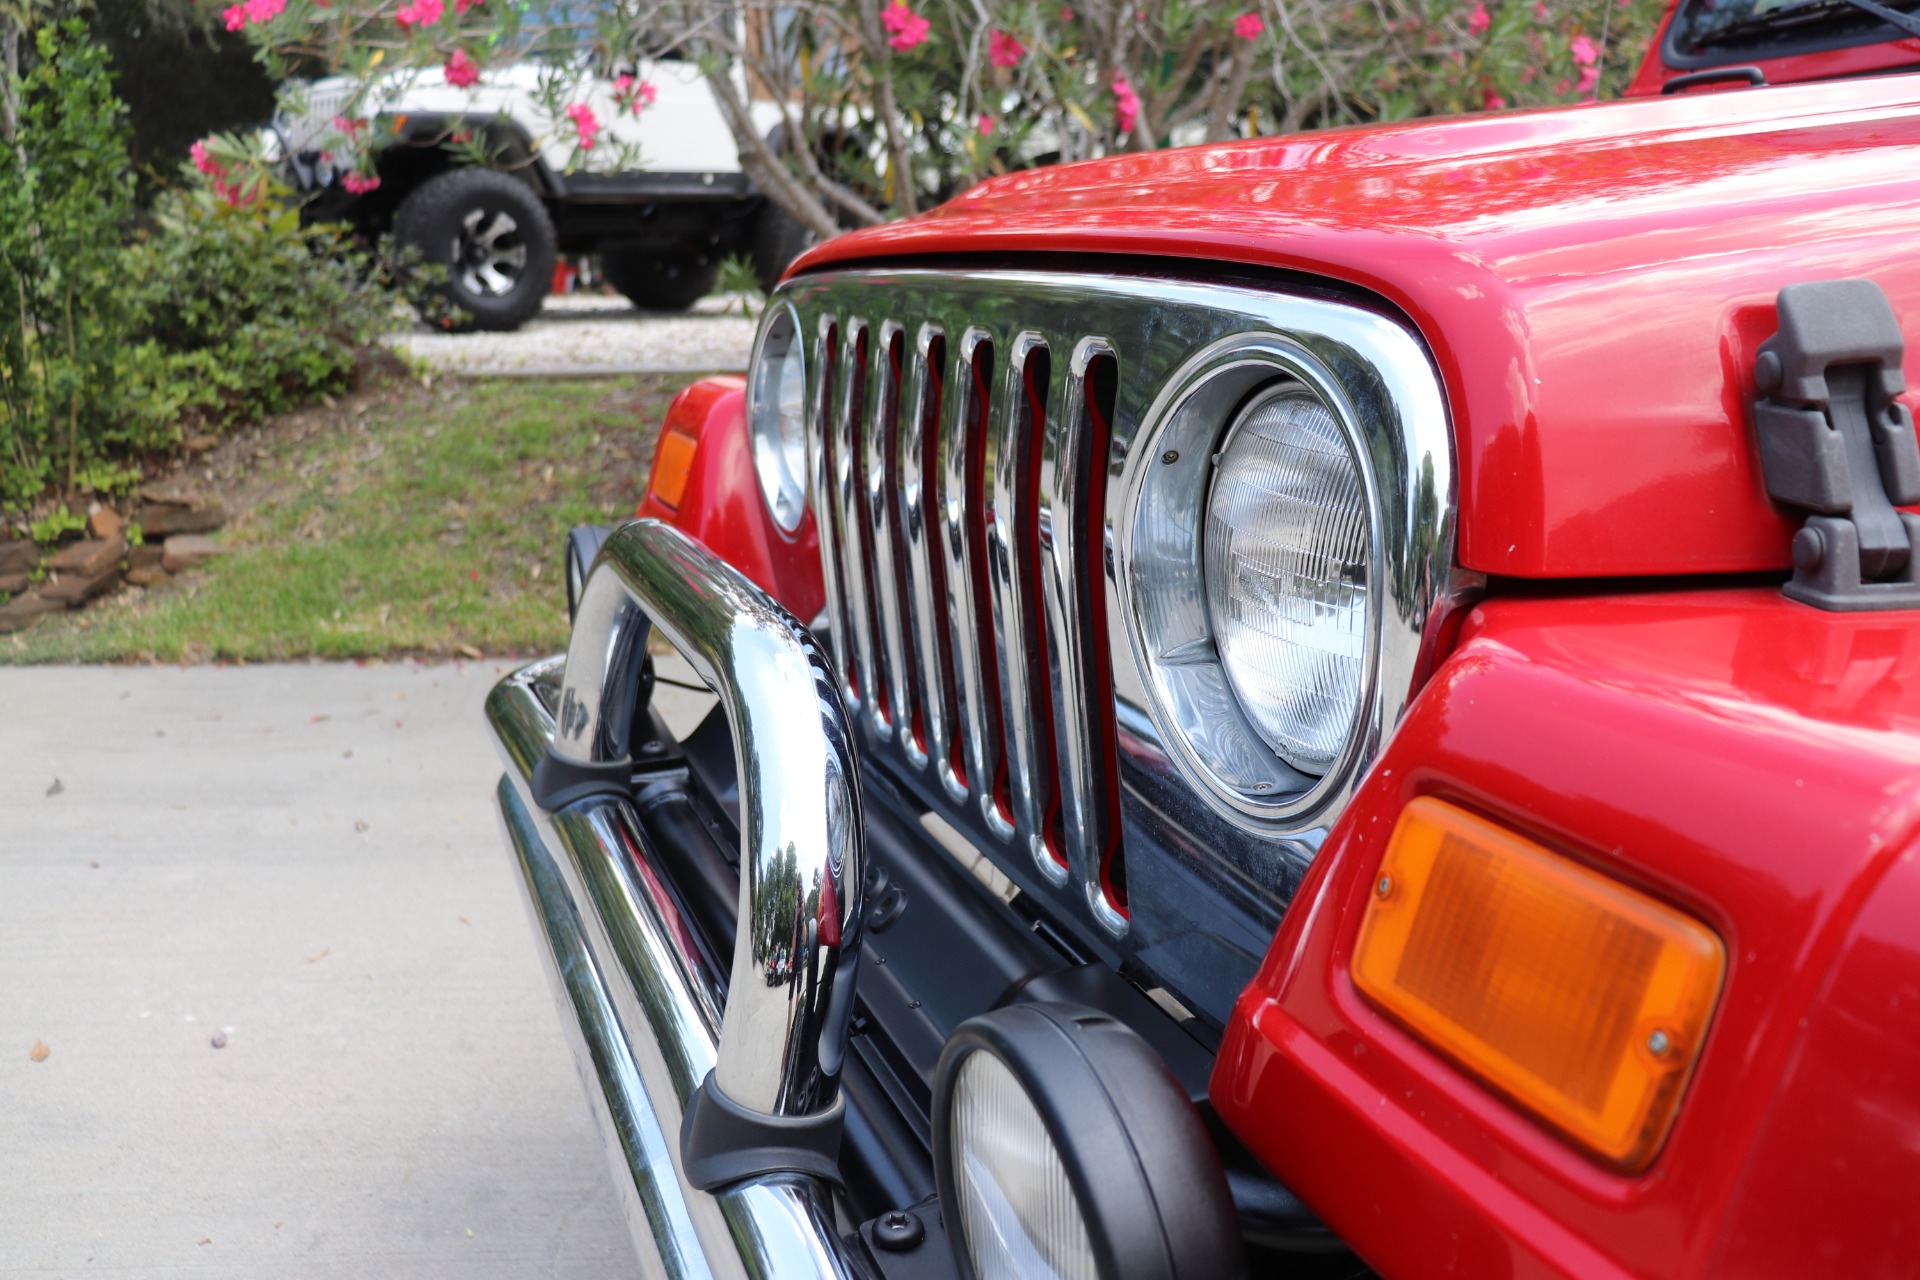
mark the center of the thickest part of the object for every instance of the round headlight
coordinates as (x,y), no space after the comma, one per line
(1285,562)
(1063,1147)
(1251,581)
(776,416)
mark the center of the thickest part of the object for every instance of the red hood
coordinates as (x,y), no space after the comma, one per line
(1593,282)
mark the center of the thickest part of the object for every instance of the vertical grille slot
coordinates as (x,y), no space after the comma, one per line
(823,467)
(1026,698)
(924,524)
(969,608)
(887,534)
(856,539)
(1074,470)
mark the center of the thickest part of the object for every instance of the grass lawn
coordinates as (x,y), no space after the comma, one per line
(413,520)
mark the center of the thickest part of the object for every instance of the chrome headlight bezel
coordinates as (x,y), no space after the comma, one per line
(780,459)
(1160,542)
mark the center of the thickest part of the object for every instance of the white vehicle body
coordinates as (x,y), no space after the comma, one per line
(683,130)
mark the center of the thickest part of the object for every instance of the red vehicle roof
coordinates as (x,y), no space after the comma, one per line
(1592,281)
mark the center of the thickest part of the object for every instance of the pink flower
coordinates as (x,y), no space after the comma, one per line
(236,17)
(359,184)
(461,6)
(1540,10)
(1493,101)
(421,13)
(203,160)
(1067,14)
(905,28)
(351,128)
(1584,51)
(1589,77)
(984,124)
(634,94)
(1126,105)
(460,71)
(1249,25)
(584,124)
(1004,50)
(265,10)
(1479,20)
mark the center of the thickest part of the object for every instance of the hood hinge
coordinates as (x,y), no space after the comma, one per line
(1834,442)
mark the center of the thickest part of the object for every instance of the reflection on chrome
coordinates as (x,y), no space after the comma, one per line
(650,1018)
(784,1028)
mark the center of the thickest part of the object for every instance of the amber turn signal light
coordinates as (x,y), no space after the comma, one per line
(672,463)
(1584,1001)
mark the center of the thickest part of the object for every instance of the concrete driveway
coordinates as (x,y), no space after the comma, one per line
(304,861)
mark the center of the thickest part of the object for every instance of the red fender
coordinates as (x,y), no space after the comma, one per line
(704,464)
(1753,762)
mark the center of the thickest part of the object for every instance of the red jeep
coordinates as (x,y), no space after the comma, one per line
(1301,706)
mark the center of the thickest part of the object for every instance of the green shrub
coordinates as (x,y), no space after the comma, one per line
(242,312)
(66,194)
(119,337)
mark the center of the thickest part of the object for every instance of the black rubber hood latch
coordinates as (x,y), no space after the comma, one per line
(1835,443)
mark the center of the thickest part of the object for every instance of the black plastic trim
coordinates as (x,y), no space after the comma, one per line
(1754,77)
(557,783)
(722,1142)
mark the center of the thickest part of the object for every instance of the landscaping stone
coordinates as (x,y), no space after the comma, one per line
(147,553)
(23,611)
(89,559)
(147,575)
(162,519)
(14,583)
(105,522)
(189,551)
(19,557)
(75,589)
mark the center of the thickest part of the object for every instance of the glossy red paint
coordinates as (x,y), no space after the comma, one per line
(722,505)
(1749,760)
(1592,282)
(1831,64)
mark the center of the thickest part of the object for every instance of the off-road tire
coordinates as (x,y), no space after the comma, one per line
(434,220)
(658,281)
(777,239)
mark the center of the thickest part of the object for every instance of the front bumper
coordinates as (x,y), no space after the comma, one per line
(657,1027)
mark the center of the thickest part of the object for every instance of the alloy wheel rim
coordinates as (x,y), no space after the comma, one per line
(489,255)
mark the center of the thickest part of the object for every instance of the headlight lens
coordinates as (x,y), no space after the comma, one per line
(1285,563)
(1017,1210)
(776,411)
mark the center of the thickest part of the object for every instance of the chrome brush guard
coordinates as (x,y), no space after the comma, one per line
(720,1096)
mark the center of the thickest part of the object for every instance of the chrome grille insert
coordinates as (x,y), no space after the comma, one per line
(974,442)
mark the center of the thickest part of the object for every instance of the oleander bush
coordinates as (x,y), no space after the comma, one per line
(890,106)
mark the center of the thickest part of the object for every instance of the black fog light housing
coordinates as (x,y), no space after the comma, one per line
(1065,1149)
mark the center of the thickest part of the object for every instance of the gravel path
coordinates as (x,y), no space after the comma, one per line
(586,334)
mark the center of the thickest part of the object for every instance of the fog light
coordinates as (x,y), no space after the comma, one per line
(1583,1000)
(1064,1148)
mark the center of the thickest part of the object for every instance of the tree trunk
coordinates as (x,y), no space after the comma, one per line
(757,159)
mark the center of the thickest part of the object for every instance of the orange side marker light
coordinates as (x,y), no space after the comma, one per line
(1582,1000)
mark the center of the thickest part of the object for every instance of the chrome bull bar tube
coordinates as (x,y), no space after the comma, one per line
(656,1032)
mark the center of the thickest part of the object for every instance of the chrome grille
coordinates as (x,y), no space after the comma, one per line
(972,440)
(962,483)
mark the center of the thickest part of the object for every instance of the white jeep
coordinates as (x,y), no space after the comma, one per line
(660,228)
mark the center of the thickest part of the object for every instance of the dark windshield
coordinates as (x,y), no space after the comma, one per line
(1714,31)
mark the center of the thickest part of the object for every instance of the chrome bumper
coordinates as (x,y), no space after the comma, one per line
(653,1024)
